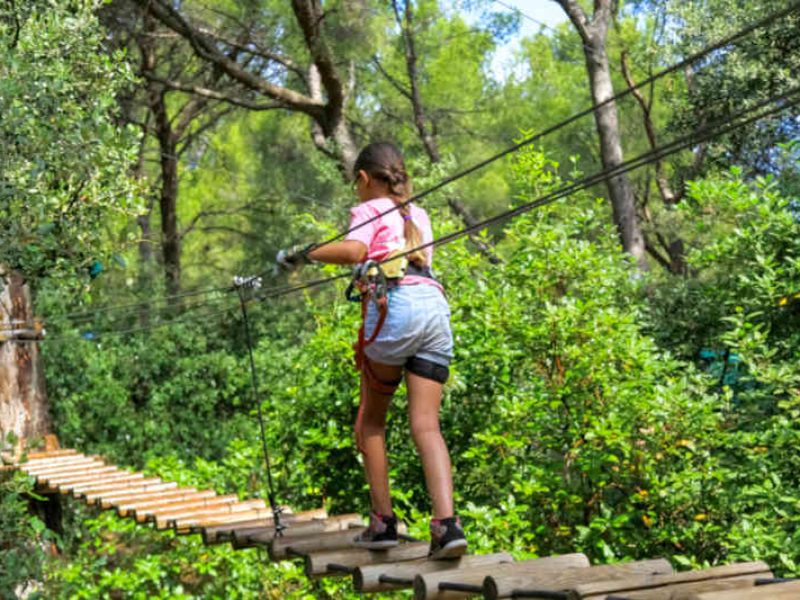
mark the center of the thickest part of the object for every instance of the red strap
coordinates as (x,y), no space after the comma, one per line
(362,343)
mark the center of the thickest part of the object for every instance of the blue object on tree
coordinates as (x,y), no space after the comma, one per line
(95,269)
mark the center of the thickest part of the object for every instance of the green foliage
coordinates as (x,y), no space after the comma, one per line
(65,187)
(21,538)
(743,301)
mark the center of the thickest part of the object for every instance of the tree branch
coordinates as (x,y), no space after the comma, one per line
(577,16)
(205,48)
(395,84)
(661,180)
(213,94)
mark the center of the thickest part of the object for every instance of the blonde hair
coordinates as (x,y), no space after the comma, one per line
(383,161)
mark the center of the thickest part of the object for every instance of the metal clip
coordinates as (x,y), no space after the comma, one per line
(369,279)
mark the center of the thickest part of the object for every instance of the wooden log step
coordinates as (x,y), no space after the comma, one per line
(125,506)
(109,498)
(101,479)
(230,532)
(45,454)
(282,548)
(344,562)
(786,590)
(459,583)
(263,536)
(125,509)
(169,518)
(166,508)
(99,487)
(82,476)
(196,525)
(387,577)
(512,581)
(40,459)
(75,465)
(677,585)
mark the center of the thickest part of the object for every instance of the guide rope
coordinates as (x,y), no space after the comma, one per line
(242,284)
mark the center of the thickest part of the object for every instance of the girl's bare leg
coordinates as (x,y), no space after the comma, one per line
(373,437)
(424,401)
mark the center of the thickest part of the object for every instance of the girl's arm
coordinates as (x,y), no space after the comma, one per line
(348,252)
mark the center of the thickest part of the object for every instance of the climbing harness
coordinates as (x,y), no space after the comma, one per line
(369,284)
(241,284)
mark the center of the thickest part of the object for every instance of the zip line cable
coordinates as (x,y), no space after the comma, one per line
(708,132)
(736,36)
(719,127)
(133,306)
(186,317)
(537,136)
(169,307)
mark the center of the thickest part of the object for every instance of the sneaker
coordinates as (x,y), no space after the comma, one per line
(381,533)
(447,539)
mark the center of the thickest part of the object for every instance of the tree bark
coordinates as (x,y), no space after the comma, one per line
(24,408)
(593,34)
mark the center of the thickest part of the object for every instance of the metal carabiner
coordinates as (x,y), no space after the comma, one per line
(369,279)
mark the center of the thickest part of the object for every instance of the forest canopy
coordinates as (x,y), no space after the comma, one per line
(624,285)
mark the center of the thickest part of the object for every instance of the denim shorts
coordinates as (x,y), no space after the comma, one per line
(417,324)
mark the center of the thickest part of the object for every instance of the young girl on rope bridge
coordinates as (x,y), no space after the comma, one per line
(415,338)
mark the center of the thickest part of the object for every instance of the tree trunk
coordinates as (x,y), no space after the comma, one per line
(593,33)
(24,409)
(168,194)
(620,189)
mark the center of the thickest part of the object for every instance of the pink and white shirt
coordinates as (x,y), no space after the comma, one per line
(384,235)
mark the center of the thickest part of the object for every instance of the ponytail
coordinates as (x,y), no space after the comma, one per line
(383,161)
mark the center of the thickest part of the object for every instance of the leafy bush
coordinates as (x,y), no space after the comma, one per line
(22,536)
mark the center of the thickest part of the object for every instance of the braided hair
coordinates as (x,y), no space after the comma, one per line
(383,161)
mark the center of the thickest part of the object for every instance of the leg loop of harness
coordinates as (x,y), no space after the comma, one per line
(370,280)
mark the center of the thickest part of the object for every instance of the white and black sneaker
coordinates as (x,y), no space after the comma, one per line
(381,533)
(447,539)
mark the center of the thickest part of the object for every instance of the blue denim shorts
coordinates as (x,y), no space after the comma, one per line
(417,324)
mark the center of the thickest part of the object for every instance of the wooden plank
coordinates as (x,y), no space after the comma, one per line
(167,518)
(146,496)
(367,578)
(196,524)
(76,465)
(282,548)
(125,509)
(167,507)
(508,579)
(641,583)
(327,563)
(100,479)
(247,537)
(50,454)
(85,475)
(219,533)
(96,487)
(429,586)
(788,590)
(109,499)
(59,463)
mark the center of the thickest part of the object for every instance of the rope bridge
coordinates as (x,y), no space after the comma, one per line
(325,544)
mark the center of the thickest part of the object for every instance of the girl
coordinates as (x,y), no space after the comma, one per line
(415,339)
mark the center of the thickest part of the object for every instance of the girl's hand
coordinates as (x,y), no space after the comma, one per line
(293,258)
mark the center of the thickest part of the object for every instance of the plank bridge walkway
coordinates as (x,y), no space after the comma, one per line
(324,543)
